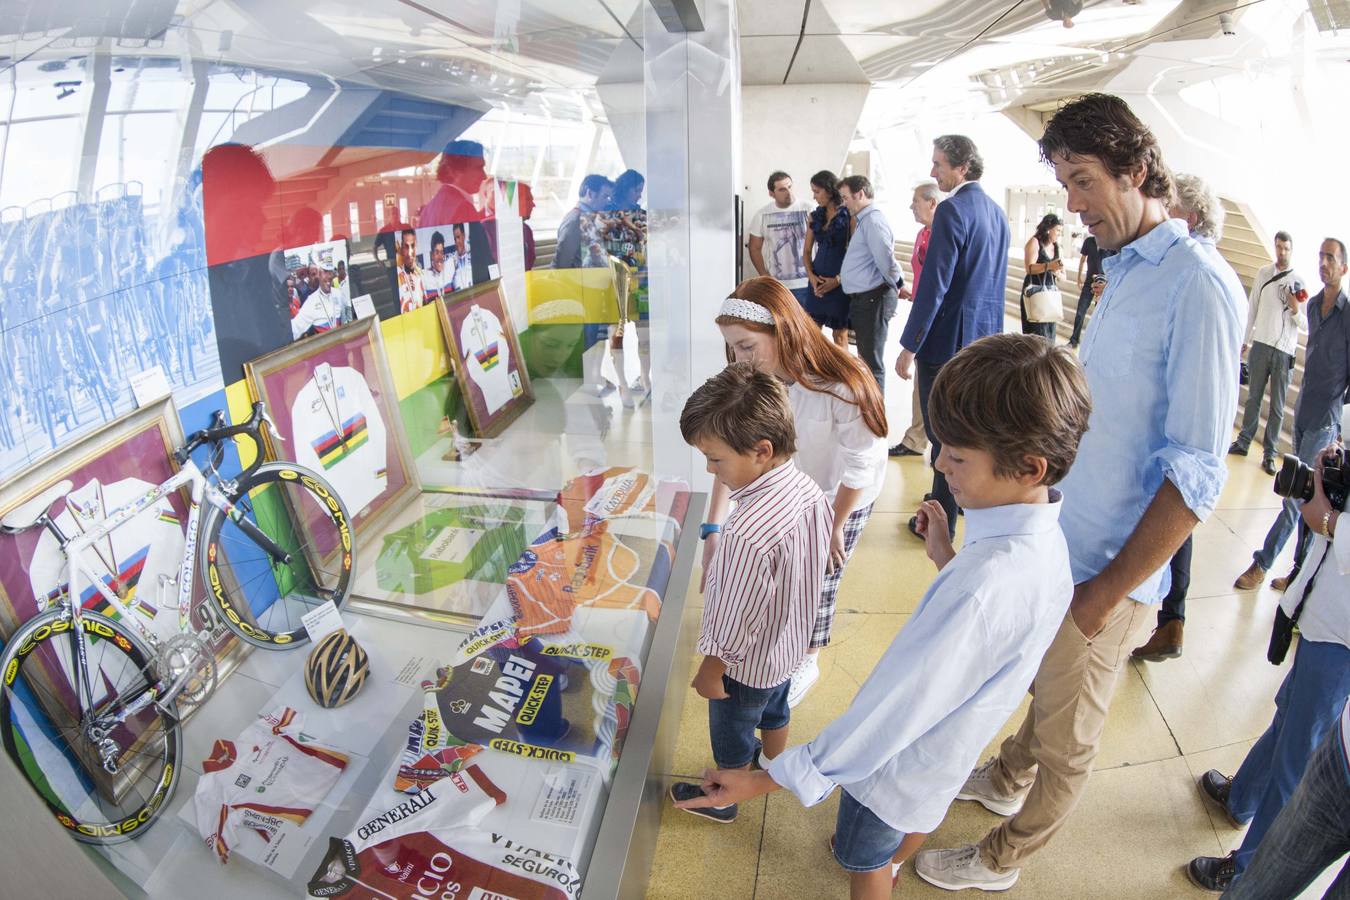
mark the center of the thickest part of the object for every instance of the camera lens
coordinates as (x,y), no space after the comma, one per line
(1294,480)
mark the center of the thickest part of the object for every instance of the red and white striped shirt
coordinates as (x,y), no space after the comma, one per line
(763,584)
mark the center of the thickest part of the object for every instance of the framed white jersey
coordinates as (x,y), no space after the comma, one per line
(339,432)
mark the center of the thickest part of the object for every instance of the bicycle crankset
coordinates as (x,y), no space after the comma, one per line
(189,665)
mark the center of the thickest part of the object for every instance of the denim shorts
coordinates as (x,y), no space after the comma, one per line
(862,842)
(732,722)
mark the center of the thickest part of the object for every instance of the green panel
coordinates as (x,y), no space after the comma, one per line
(449,545)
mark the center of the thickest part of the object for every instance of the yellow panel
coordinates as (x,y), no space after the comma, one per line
(239,402)
(416,349)
(571,296)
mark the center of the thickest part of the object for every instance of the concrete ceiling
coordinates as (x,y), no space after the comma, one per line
(513,52)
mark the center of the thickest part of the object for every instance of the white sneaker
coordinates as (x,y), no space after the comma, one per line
(956,870)
(979,787)
(806,675)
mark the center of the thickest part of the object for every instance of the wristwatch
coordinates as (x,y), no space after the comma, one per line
(708,528)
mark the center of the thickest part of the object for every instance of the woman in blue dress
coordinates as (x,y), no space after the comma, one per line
(827,236)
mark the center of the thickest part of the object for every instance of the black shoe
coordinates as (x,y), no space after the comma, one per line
(902,450)
(1268,466)
(1213,873)
(1215,787)
(1237,449)
(687,790)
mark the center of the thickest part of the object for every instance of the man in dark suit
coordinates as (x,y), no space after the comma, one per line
(961,300)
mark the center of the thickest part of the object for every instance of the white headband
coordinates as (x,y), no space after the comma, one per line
(747,310)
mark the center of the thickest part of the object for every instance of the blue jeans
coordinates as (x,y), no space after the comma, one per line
(732,721)
(1309,834)
(1307,444)
(862,842)
(1265,364)
(1306,708)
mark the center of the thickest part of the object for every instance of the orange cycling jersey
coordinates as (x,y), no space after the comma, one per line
(557,574)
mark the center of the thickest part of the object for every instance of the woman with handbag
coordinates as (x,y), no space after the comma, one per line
(827,236)
(1042,304)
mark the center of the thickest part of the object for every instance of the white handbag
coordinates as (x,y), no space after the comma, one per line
(1044,304)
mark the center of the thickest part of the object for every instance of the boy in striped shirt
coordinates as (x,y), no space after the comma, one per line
(763,584)
(1009,411)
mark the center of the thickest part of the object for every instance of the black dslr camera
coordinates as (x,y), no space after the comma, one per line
(1295,478)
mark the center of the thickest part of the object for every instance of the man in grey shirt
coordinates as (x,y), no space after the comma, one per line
(1326,381)
(590,198)
(870,275)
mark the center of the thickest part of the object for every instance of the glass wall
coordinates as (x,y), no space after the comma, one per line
(420,236)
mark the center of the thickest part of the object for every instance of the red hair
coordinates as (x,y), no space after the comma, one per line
(804,353)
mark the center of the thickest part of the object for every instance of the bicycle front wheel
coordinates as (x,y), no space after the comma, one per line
(105,780)
(282,549)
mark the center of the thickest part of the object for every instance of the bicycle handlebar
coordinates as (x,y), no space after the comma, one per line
(220,432)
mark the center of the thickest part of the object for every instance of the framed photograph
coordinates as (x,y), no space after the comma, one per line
(451,552)
(488,364)
(317,287)
(333,401)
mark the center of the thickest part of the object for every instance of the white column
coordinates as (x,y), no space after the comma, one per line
(693,149)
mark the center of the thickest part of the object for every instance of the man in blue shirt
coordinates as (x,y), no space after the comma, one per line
(961,300)
(1326,380)
(1161,356)
(870,275)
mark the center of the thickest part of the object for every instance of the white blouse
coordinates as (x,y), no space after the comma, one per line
(834,445)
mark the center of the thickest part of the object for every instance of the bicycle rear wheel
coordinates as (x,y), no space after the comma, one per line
(263,592)
(43,725)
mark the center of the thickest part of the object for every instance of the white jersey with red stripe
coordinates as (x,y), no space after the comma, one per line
(269,776)
(431,845)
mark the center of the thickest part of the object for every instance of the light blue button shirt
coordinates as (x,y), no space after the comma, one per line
(950,679)
(1161,355)
(870,258)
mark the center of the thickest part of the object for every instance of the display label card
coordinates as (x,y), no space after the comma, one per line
(149,385)
(364,306)
(412,671)
(452,545)
(321,621)
(494,270)
(561,798)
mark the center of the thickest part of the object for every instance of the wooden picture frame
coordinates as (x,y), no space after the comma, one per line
(110,467)
(488,364)
(333,400)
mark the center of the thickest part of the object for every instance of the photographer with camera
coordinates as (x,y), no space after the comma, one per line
(1326,381)
(1314,692)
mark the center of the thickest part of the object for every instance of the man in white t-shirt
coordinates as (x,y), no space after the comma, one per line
(778,236)
(1274,318)
(411,294)
(461,259)
(324,309)
(436,277)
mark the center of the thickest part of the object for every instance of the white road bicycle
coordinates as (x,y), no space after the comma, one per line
(90,704)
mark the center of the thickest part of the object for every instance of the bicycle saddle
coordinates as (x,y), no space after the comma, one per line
(25,516)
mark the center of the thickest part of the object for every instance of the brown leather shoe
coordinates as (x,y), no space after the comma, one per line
(1251,579)
(1282,583)
(1164,644)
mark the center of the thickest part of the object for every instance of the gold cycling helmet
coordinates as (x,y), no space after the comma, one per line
(336,669)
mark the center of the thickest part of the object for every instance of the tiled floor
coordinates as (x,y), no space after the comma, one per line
(1141,818)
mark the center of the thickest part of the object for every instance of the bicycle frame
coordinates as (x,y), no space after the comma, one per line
(78,573)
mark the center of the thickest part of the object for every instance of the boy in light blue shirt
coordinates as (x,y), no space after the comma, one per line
(1009,410)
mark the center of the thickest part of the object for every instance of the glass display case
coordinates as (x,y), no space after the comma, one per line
(431,245)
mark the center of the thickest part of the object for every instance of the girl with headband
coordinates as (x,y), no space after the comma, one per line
(841,429)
